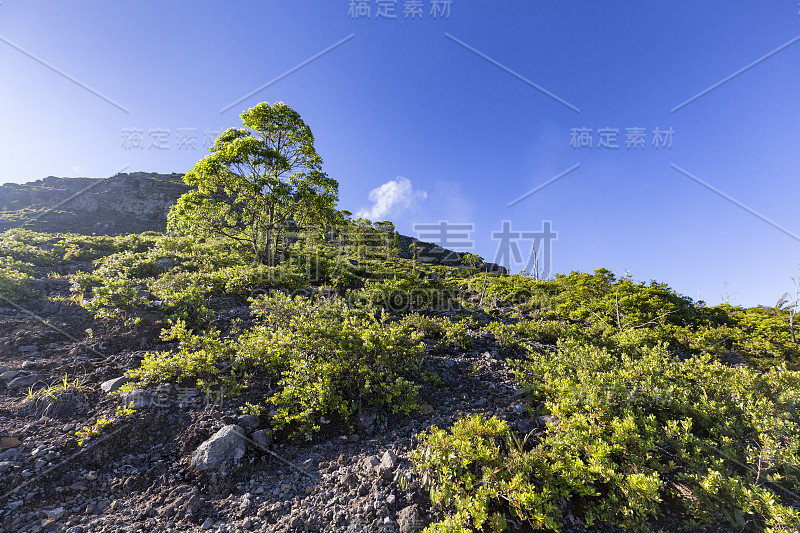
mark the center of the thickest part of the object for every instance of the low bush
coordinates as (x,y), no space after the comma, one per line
(332,360)
(444,331)
(629,432)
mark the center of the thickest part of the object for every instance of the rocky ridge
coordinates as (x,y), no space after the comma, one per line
(124,203)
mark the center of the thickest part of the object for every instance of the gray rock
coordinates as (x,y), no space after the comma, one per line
(409,520)
(518,408)
(55,514)
(389,460)
(226,444)
(113,385)
(28,349)
(263,438)
(8,375)
(27,365)
(4,368)
(525,425)
(15,505)
(248,421)
(384,473)
(366,417)
(139,397)
(165,262)
(23,381)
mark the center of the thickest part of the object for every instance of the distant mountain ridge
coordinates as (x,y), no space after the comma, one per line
(121,204)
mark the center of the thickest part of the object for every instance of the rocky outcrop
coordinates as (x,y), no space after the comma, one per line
(125,203)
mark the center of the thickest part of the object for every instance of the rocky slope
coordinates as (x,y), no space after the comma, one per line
(125,203)
(185,462)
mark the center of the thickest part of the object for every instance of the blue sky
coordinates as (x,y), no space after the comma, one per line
(449,115)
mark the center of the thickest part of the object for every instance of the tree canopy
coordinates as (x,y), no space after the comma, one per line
(256,181)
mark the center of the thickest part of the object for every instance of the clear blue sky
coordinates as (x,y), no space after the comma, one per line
(414,98)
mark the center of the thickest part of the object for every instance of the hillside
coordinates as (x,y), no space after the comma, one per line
(153,382)
(121,204)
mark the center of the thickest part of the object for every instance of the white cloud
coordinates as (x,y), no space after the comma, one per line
(391,198)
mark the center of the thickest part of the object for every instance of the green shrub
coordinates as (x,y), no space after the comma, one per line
(627,430)
(328,359)
(332,360)
(651,415)
(114,298)
(444,331)
(405,295)
(14,281)
(197,360)
(482,471)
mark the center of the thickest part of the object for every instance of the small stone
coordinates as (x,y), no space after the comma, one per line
(426,409)
(248,523)
(384,473)
(481,403)
(390,499)
(9,375)
(262,438)
(113,385)
(23,381)
(518,408)
(371,462)
(28,365)
(350,480)
(9,442)
(207,524)
(248,421)
(28,349)
(91,476)
(366,417)
(13,506)
(389,460)
(56,513)
(353,438)
(47,522)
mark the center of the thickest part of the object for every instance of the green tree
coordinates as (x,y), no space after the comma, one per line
(256,181)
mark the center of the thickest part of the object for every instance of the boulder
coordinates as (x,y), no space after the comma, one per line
(226,444)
